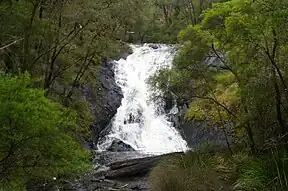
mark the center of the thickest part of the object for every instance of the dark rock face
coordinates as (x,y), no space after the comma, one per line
(197,132)
(119,146)
(104,99)
(126,54)
(177,117)
(169,101)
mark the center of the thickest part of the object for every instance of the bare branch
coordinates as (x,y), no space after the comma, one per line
(219,104)
(8,45)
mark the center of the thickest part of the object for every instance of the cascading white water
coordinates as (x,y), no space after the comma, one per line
(141,121)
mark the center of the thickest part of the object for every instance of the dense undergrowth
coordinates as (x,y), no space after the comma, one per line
(207,170)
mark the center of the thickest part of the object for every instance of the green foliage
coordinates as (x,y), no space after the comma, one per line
(266,173)
(235,58)
(236,65)
(83,118)
(61,44)
(202,170)
(191,171)
(37,143)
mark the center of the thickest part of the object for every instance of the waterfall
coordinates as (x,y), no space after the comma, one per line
(141,121)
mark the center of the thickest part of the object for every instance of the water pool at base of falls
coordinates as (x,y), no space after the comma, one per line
(141,121)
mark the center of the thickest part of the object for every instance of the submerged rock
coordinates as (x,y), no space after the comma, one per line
(119,146)
(154,46)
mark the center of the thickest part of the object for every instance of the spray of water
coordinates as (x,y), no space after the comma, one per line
(141,121)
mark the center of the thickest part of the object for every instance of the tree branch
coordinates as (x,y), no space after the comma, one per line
(8,154)
(219,104)
(8,45)
(224,62)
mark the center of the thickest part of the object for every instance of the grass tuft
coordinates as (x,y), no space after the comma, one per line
(189,172)
(268,173)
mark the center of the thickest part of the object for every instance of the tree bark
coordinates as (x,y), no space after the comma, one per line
(278,104)
(27,33)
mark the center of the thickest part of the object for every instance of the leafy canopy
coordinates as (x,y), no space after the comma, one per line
(35,140)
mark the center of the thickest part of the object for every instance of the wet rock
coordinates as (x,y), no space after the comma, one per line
(197,132)
(169,101)
(119,146)
(154,46)
(134,117)
(130,168)
(175,119)
(104,99)
(126,54)
(126,175)
(177,114)
(134,167)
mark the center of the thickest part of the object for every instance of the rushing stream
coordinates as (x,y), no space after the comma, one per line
(141,121)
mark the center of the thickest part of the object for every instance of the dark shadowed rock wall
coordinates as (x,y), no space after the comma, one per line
(104,99)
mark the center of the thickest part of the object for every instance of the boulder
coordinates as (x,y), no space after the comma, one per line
(119,146)
(154,46)
(126,54)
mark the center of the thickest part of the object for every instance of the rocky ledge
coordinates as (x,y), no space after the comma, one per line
(127,175)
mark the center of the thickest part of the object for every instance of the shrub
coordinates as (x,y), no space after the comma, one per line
(188,172)
(266,173)
(36,143)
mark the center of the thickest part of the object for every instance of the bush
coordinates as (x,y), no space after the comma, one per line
(201,171)
(36,143)
(191,171)
(268,173)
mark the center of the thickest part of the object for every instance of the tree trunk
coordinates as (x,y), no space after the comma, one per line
(27,33)
(278,104)
(224,131)
(250,138)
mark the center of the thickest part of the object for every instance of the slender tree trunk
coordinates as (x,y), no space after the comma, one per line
(278,104)
(227,141)
(250,138)
(219,105)
(248,129)
(194,19)
(27,36)
(165,11)
(272,58)
(80,74)
(224,131)
(41,10)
